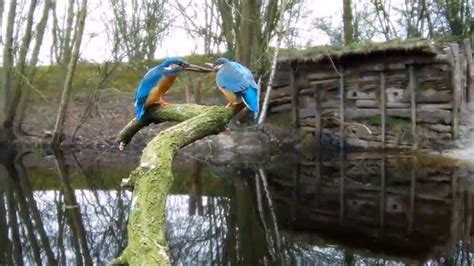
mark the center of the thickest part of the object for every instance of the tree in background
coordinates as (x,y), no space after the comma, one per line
(20,62)
(138,27)
(62,34)
(248,26)
(79,29)
(457,16)
(7,74)
(28,75)
(347,22)
(201,21)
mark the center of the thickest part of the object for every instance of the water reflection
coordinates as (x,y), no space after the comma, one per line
(352,209)
(385,210)
(50,213)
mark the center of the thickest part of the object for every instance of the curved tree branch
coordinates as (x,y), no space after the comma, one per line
(147,244)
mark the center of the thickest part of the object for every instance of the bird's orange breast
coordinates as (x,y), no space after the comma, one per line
(159,90)
(230,96)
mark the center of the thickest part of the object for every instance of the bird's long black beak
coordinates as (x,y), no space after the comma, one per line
(212,66)
(195,68)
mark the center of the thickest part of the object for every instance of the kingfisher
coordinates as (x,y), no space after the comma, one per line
(237,84)
(156,82)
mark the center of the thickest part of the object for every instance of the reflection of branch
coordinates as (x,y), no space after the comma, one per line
(271,249)
(73,214)
(25,219)
(16,250)
(60,235)
(263,176)
(35,214)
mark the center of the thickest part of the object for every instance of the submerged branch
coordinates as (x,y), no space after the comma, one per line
(147,244)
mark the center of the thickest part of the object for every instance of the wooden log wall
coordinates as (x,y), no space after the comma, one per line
(393,100)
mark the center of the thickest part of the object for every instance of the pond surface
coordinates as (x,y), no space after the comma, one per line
(388,210)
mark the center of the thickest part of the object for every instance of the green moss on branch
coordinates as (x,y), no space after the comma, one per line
(172,112)
(152,180)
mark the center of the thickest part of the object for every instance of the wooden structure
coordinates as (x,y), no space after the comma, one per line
(397,95)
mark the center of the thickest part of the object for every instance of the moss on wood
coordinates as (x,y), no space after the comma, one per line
(152,180)
(319,53)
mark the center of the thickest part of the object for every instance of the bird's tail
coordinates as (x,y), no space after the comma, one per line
(250,98)
(139,110)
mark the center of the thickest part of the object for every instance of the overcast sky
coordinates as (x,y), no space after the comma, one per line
(96,47)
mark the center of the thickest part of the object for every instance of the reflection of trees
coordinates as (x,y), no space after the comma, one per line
(226,231)
(57,227)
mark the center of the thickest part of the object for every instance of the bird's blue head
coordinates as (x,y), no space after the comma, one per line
(177,64)
(216,66)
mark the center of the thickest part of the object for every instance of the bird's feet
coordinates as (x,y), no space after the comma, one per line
(162,103)
(232,104)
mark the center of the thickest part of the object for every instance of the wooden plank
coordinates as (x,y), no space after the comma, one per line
(456,86)
(463,73)
(427,106)
(294,97)
(398,105)
(382,193)
(411,216)
(431,96)
(411,87)
(342,110)
(433,116)
(324,81)
(375,104)
(342,176)
(317,122)
(374,67)
(383,108)
(322,75)
(470,72)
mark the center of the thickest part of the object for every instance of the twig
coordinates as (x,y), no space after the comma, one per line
(333,65)
(31,85)
(274,64)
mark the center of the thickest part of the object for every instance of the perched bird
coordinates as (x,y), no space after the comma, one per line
(237,83)
(158,80)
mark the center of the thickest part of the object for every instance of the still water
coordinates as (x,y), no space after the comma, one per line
(387,210)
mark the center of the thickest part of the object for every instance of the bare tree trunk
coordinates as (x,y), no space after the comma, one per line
(55,56)
(40,28)
(21,65)
(2,7)
(67,43)
(249,11)
(347,21)
(5,125)
(58,128)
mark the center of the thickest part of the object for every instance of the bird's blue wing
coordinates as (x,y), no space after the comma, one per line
(235,77)
(250,98)
(149,81)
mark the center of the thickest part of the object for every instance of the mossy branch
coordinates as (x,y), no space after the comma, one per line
(147,244)
(172,112)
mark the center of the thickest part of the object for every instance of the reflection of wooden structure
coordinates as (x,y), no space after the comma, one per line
(382,204)
(407,94)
